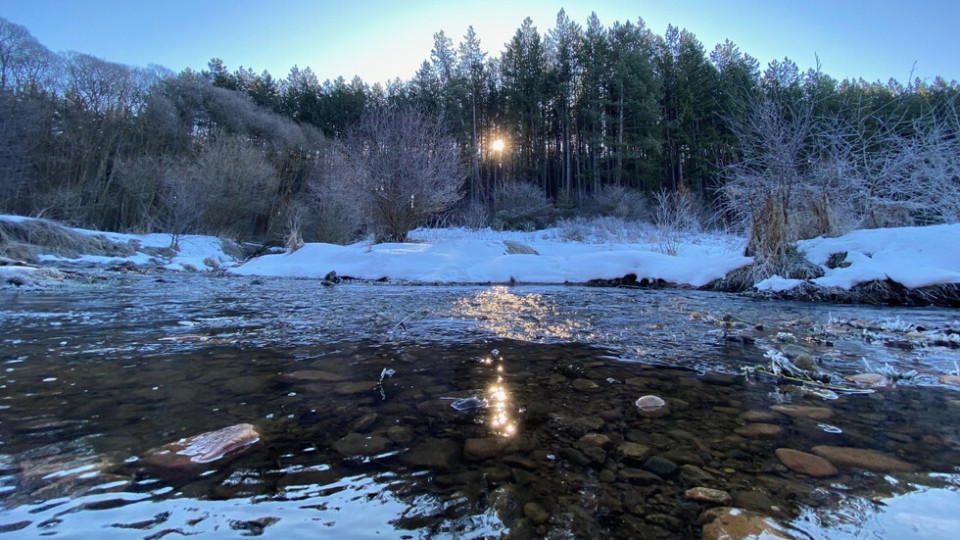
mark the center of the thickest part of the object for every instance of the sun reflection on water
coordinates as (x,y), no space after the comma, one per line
(527,317)
(500,418)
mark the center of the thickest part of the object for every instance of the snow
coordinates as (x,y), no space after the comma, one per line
(465,256)
(777,284)
(912,256)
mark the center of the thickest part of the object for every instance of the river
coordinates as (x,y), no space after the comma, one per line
(462,411)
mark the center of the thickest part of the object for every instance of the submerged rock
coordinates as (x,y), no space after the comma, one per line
(844,456)
(803,411)
(733,523)
(805,463)
(709,496)
(869,380)
(759,429)
(206,448)
(356,444)
(651,406)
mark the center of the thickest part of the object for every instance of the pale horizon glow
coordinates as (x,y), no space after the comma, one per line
(380,40)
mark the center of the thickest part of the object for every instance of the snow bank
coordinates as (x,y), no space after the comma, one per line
(911,256)
(462,256)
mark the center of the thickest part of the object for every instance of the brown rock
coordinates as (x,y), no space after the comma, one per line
(950,379)
(480,449)
(535,513)
(634,451)
(805,463)
(844,456)
(199,450)
(758,430)
(758,416)
(709,495)
(585,384)
(358,387)
(869,380)
(803,411)
(436,454)
(652,406)
(593,439)
(356,444)
(733,523)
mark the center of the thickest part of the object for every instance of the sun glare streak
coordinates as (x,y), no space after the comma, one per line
(501,409)
(498,145)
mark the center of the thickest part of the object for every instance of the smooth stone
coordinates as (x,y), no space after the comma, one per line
(638,476)
(481,449)
(607,476)
(595,453)
(356,444)
(759,429)
(593,439)
(844,456)
(199,450)
(520,461)
(400,434)
(758,416)
(586,424)
(806,362)
(803,411)
(728,523)
(950,379)
(584,384)
(692,475)
(722,379)
(352,388)
(869,380)
(574,456)
(709,495)
(364,422)
(660,466)
(683,456)
(437,454)
(651,406)
(634,451)
(804,463)
(752,500)
(536,513)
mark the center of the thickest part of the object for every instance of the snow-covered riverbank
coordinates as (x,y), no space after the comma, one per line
(909,257)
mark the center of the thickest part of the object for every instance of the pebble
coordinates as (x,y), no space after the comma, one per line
(805,463)
(950,379)
(585,384)
(436,454)
(869,380)
(660,466)
(758,416)
(481,449)
(758,430)
(651,406)
(634,451)
(844,456)
(709,495)
(536,513)
(803,411)
(356,444)
(638,476)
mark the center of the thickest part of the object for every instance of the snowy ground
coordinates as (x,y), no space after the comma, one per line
(912,256)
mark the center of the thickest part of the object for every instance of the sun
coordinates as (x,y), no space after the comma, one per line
(497,145)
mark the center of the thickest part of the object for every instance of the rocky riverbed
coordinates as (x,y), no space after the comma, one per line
(474,414)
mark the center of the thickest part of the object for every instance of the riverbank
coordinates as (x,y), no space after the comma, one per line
(910,266)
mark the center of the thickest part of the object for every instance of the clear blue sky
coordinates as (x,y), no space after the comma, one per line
(382,39)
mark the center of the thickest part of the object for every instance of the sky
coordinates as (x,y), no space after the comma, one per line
(380,40)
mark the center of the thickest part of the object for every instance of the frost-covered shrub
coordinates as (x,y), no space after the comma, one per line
(521,207)
(617,201)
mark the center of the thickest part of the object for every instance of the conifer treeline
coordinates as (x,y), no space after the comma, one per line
(580,107)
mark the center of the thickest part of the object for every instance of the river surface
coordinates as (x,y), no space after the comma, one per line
(395,411)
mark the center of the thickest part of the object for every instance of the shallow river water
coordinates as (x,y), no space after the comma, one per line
(395,411)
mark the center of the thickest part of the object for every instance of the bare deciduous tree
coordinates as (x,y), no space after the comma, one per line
(401,167)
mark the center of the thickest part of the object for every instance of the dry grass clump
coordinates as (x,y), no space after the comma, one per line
(24,240)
